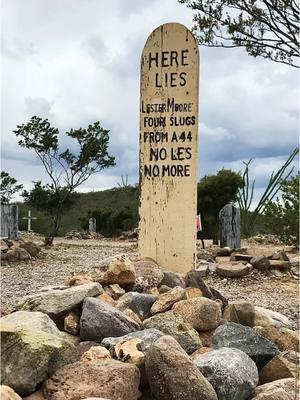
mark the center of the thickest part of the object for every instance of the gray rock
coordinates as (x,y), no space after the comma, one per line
(223,252)
(99,320)
(172,279)
(240,257)
(57,301)
(260,262)
(82,347)
(140,303)
(172,374)
(203,269)
(231,372)
(148,337)
(35,320)
(280,265)
(28,357)
(244,338)
(175,326)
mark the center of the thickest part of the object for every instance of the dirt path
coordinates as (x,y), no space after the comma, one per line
(73,256)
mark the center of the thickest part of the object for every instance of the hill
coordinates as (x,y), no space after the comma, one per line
(115,210)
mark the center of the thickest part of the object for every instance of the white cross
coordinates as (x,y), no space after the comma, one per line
(29,220)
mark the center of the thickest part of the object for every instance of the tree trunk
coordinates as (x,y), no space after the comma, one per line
(56,220)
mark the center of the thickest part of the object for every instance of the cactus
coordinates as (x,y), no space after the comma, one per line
(245,194)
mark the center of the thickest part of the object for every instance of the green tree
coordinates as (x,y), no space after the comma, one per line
(66,170)
(265,28)
(214,192)
(282,215)
(8,187)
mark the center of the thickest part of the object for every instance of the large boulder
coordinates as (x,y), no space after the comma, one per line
(99,320)
(261,263)
(118,269)
(240,312)
(84,346)
(7,393)
(175,326)
(172,279)
(28,357)
(57,301)
(71,323)
(109,379)
(265,317)
(32,248)
(148,275)
(284,365)
(95,353)
(193,279)
(139,303)
(220,368)
(146,336)
(244,338)
(35,320)
(166,300)
(283,389)
(129,351)
(280,265)
(172,375)
(15,254)
(201,313)
(114,290)
(283,338)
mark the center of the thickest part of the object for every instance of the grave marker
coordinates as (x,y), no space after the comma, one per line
(92,225)
(29,218)
(230,227)
(9,221)
(168,147)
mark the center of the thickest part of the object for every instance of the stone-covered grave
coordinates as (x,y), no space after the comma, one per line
(18,250)
(238,263)
(132,330)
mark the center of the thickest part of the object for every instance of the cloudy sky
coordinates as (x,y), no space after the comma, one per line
(77,61)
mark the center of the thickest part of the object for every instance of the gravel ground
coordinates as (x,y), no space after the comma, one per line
(73,256)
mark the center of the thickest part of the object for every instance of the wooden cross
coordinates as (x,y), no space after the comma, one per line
(29,218)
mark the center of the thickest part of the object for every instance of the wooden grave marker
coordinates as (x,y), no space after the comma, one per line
(230,227)
(169,147)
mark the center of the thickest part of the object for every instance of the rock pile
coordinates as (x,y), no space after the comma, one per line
(18,250)
(83,235)
(130,331)
(229,263)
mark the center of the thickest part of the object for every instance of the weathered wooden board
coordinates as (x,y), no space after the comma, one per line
(9,221)
(169,147)
(230,227)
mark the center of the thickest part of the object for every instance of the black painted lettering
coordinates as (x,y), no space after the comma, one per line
(182,77)
(158,154)
(189,153)
(157,83)
(184,57)
(153,58)
(165,58)
(174,58)
(173,77)
(174,137)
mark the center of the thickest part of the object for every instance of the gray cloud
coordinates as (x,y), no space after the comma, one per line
(38,106)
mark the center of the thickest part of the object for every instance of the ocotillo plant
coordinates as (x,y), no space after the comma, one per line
(245,195)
